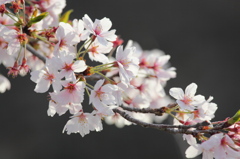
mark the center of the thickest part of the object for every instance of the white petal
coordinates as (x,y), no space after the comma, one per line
(42,86)
(102,40)
(51,109)
(57,86)
(177,93)
(88,23)
(4,84)
(198,99)
(213,141)
(190,139)
(192,151)
(36,75)
(119,53)
(98,57)
(207,155)
(79,66)
(219,153)
(191,89)
(162,60)
(110,35)
(98,84)
(106,24)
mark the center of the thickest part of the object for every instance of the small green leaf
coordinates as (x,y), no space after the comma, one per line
(37,18)
(235,118)
(65,17)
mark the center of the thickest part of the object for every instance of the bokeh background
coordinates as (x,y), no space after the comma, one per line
(203,39)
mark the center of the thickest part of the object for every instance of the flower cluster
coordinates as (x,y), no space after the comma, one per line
(126,76)
(72,60)
(193,109)
(217,146)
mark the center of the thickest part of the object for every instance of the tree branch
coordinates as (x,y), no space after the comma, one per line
(181,129)
(158,112)
(34,52)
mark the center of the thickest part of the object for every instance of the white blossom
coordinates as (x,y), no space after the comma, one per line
(4,84)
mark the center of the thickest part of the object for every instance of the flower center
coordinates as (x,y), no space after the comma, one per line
(98,29)
(68,67)
(82,119)
(49,77)
(99,93)
(62,43)
(125,62)
(22,38)
(71,87)
(94,49)
(186,100)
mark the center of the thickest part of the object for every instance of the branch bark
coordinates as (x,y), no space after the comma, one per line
(175,129)
(158,112)
(34,52)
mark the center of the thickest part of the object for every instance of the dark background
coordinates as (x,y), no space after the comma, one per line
(203,39)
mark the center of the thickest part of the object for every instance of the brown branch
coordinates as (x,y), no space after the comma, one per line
(182,129)
(158,112)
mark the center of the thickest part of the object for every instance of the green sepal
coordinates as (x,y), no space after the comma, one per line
(65,17)
(18,23)
(37,18)
(234,119)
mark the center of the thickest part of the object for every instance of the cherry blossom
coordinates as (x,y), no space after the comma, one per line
(6,59)
(14,70)
(45,77)
(222,146)
(83,123)
(100,29)
(54,8)
(149,87)
(13,39)
(96,51)
(72,92)
(66,63)
(24,68)
(126,90)
(196,149)
(78,26)
(54,108)
(60,109)
(127,64)
(206,110)
(118,120)
(66,37)
(187,100)
(156,63)
(102,95)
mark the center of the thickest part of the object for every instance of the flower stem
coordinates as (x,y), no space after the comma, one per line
(89,85)
(105,77)
(80,49)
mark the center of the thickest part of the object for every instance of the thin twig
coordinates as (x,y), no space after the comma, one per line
(93,77)
(158,112)
(36,53)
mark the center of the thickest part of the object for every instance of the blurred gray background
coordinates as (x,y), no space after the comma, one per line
(203,39)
